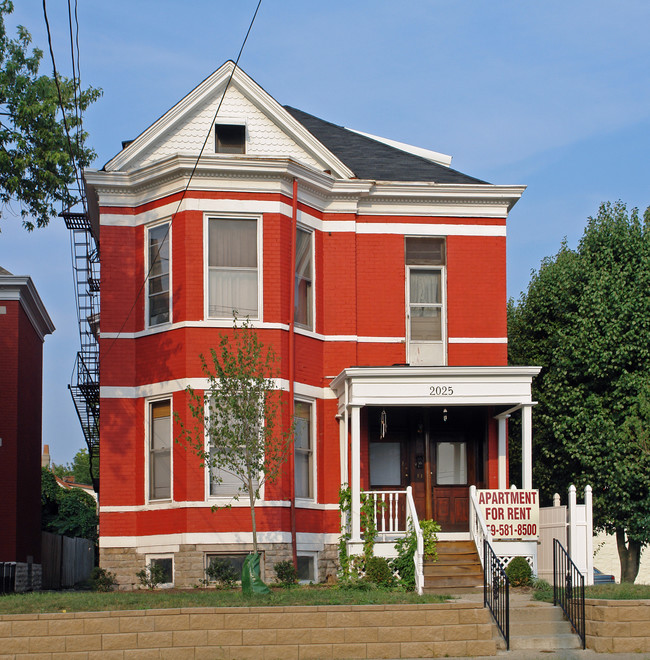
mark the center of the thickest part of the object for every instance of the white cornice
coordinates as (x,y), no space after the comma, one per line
(320,191)
(21,288)
(212,87)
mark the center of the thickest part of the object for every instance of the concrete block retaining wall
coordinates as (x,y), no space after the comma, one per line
(289,633)
(618,626)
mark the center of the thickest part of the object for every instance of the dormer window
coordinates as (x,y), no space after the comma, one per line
(230,139)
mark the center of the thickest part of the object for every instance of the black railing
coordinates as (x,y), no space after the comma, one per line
(7,577)
(569,589)
(496,591)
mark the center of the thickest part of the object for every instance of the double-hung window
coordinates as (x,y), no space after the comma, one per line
(159,450)
(232,268)
(158,307)
(303,279)
(303,450)
(425,261)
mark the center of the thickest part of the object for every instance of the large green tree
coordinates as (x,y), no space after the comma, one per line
(79,469)
(36,157)
(585,319)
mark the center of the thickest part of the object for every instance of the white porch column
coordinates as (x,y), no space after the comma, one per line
(355,473)
(502,457)
(527,447)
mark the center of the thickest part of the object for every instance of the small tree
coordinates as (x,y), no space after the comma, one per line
(235,427)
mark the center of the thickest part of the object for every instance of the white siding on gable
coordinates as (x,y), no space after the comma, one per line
(264,137)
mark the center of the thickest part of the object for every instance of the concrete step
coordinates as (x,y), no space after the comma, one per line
(535,614)
(538,628)
(544,643)
(453,569)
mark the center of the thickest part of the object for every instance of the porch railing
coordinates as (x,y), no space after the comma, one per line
(569,589)
(389,511)
(477,528)
(393,511)
(496,586)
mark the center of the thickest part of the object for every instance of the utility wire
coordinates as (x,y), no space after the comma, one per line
(76,72)
(182,197)
(58,89)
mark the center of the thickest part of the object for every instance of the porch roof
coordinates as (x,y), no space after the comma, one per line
(434,386)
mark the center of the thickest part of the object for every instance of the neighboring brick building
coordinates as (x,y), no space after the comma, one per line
(24,322)
(399,375)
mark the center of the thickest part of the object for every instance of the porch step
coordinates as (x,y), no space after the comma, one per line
(458,569)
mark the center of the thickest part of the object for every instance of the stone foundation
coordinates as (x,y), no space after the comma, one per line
(190,561)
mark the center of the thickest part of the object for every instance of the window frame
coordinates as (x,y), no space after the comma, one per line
(226,121)
(222,500)
(163,555)
(311,302)
(148,266)
(148,431)
(312,451)
(258,218)
(442,269)
(313,554)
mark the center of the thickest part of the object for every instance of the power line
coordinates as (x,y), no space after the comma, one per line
(58,89)
(182,197)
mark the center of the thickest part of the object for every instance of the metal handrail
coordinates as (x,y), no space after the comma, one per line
(496,591)
(569,589)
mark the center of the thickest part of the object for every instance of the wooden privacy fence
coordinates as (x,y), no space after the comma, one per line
(66,561)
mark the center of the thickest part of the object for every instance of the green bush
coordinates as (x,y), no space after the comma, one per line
(102,580)
(519,572)
(151,576)
(430,529)
(285,573)
(378,571)
(222,572)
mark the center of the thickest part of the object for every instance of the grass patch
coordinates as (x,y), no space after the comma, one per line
(90,601)
(544,591)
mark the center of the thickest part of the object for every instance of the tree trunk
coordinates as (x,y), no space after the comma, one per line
(251,498)
(629,555)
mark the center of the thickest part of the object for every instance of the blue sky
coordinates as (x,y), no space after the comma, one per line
(554,95)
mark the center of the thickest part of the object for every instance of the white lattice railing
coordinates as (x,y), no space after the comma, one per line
(477,528)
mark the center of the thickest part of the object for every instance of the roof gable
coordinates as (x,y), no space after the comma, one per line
(270,129)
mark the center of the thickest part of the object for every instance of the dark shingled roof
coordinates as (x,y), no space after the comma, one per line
(370,159)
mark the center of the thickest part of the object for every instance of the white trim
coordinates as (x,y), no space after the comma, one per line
(147,266)
(259,224)
(430,229)
(156,505)
(170,386)
(305,541)
(428,154)
(21,288)
(478,340)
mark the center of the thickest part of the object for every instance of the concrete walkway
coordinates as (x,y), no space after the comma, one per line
(519,599)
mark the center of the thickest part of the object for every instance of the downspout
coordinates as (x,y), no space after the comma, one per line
(292,367)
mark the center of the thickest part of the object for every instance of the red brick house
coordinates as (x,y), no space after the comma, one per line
(24,323)
(395,349)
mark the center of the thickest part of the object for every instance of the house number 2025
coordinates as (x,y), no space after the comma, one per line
(440,390)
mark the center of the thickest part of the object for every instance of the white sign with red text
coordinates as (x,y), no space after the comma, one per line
(510,514)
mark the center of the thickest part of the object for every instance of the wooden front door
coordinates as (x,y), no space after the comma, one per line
(453,472)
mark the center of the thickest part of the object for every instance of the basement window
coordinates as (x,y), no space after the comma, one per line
(230,139)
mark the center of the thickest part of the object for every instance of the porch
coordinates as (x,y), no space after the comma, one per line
(418,441)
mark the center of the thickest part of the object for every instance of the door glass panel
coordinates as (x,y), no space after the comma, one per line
(425,324)
(385,464)
(451,463)
(425,286)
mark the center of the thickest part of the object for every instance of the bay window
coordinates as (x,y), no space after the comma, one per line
(158,307)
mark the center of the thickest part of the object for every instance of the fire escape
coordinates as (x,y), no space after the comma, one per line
(84,385)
